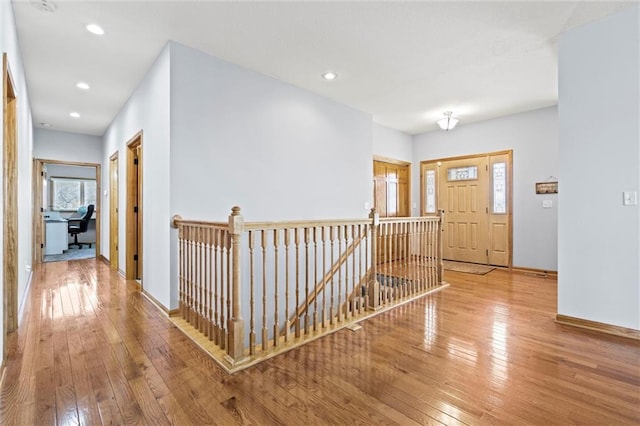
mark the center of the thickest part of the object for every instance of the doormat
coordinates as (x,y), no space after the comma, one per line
(469,268)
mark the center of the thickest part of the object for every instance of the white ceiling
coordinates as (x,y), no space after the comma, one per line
(403,62)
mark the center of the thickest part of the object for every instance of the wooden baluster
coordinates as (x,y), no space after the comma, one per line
(306,280)
(339,289)
(296,232)
(315,280)
(366,261)
(224,288)
(216,284)
(323,235)
(431,252)
(235,348)
(333,281)
(276,320)
(420,238)
(439,246)
(287,322)
(360,276)
(210,329)
(263,239)
(345,230)
(181,270)
(409,279)
(373,290)
(191,276)
(252,305)
(200,280)
(354,280)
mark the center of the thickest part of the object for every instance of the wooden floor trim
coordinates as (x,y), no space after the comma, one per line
(534,272)
(155,302)
(598,326)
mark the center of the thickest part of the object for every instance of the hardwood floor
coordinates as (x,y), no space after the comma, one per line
(91,350)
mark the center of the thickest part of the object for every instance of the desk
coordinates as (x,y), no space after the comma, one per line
(55,236)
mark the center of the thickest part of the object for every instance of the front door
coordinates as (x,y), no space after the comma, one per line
(463,198)
(474,192)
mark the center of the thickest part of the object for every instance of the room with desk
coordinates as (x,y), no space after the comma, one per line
(68,190)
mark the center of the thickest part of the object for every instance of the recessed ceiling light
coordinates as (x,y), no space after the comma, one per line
(82,85)
(45,124)
(95,29)
(74,114)
(329,75)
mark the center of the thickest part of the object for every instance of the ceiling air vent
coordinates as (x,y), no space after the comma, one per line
(43,5)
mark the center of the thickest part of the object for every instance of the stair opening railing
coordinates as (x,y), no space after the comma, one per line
(251,290)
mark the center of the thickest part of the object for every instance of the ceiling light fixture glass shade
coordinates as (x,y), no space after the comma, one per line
(448,122)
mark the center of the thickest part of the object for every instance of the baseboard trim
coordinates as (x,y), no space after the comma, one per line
(542,273)
(174,312)
(25,297)
(158,305)
(104,260)
(598,326)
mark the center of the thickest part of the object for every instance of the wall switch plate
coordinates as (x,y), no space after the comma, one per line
(547,204)
(630,198)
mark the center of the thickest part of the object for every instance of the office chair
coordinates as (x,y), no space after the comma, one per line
(80,227)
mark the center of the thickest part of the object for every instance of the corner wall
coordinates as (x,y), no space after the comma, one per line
(277,151)
(148,110)
(599,110)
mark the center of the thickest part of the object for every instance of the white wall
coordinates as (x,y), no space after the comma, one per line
(63,146)
(533,137)
(599,110)
(277,151)
(392,143)
(148,110)
(9,44)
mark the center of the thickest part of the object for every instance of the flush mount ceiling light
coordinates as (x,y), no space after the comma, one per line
(74,114)
(82,85)
(329,75)
(95,29)
(447,123)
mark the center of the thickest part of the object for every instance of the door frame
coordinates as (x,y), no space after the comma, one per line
(10,203)
(407,164)
(114,229)
(509,153)
(38,227)
(134,221)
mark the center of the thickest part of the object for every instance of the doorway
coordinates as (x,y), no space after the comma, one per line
(113,211)
(391,183)
(474,192)
(134,209)
(61,192)
(10,207)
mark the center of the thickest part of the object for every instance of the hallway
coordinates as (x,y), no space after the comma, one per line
(92,350)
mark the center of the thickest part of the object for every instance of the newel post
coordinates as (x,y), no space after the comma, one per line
(235,348)
(373,289)
(440,242)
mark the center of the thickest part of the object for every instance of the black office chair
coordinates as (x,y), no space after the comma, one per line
(80,226)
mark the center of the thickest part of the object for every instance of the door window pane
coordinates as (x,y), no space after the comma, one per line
(431,191)
(499,188)
(462,173)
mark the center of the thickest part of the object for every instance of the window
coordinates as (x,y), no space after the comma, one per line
(431,191)
(68,194)
(462,173)
(499,188)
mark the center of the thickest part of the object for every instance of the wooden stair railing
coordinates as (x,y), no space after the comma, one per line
(320,285)
(248,291)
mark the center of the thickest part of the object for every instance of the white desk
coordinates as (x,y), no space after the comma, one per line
(55,236)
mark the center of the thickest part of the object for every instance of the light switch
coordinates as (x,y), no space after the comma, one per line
(630,198)
(547,204)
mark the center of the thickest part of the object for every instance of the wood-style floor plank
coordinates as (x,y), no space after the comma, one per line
(92,350)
